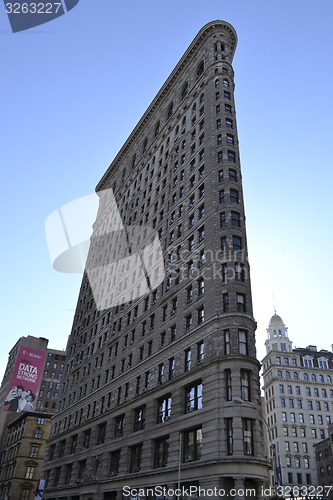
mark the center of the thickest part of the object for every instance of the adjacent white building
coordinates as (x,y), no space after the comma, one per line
(298,402)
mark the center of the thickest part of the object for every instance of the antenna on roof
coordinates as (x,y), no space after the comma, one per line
(274,303)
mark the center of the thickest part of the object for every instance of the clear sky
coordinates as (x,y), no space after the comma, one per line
(73,89)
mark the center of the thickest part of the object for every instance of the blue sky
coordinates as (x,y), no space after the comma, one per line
(73,89)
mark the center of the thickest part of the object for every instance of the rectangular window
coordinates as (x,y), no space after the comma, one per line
(68,473)
(161,373)
(223,222)
(245,385)
(161,453)
(239,272)
(234,196)
(231,156)
(228,123)
(230,139)
(201,315)
(201,233)
(236,243)
(200,351)
(226,342)
(135,461)
(225,299)
(119,426)
(139,419)
(171,367)
(193,397)
(29,473)
(101,433)
(229,435)
(240,303)
(235,219)
(248,436)
(201,287)
(192,445)
(228,385)
(114,463)
(201,211)
(164,409)
(232,175)
(34,451)
(86,438)
(188,359)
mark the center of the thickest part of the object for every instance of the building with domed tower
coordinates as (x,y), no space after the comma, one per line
(298,395)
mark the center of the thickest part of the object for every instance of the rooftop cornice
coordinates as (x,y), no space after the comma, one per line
(205,31)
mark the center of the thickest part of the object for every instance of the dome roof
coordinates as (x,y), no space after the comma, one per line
(276,322)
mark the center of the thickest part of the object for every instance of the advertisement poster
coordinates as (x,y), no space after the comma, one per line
(28,370)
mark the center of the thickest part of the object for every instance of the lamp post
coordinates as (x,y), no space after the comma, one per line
(179,461)
(270,442)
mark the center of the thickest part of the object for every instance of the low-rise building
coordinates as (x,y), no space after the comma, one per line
(23,455)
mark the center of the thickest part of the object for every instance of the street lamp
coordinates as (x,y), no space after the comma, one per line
(271,444)
(179,459)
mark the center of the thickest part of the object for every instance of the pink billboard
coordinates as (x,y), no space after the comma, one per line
(24,382)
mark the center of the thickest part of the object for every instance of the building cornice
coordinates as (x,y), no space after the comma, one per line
(206,31)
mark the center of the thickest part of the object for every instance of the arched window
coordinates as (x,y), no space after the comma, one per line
(38,433)
(133,161)
(306,376)
(170,110)
(200,69)
(287,374)
(321,378)
(328,379)
(184,90)
(157,128)
(295,376)
(313,377)
(279,374)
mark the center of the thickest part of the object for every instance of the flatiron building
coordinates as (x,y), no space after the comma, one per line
(161,386)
